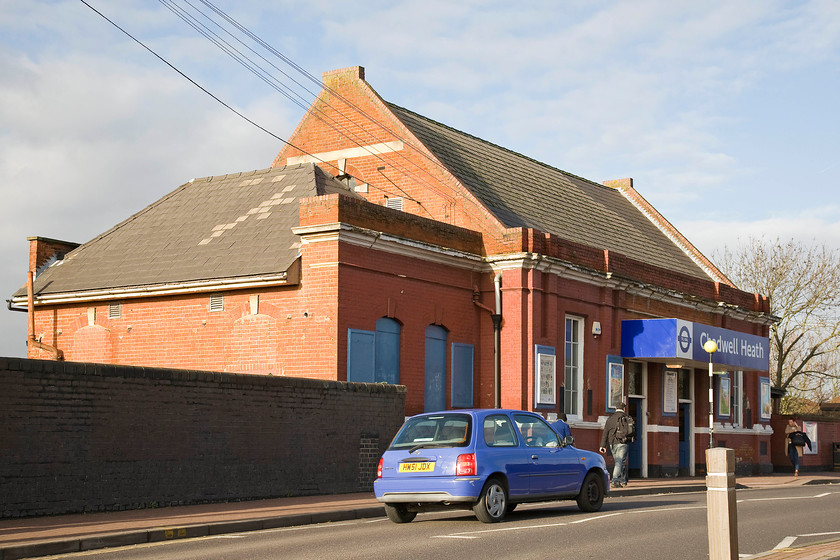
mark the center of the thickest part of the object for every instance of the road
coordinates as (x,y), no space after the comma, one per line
(664,526)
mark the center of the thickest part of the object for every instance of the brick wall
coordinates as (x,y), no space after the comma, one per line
(78,437)
(828,436)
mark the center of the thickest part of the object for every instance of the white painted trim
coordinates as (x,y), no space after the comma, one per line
(162,289)
(347,153)
(659,428)
(370,239)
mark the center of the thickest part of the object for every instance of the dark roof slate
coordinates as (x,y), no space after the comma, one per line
(230,226)
(522,192)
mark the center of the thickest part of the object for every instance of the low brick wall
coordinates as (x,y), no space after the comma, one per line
(828,436)
(78,437)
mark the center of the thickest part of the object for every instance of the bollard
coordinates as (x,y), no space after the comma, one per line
(721,506)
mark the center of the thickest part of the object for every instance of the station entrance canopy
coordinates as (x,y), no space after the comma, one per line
(679,341)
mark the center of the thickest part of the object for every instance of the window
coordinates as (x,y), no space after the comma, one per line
(633,378)
(498,432)
(573,399)
(462,375)
(737,397)
(374,356)
(442,430)
(536,432)
(684,385)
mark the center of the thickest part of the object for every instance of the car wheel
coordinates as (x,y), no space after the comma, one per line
(398,513)
(591,496)
(492,504)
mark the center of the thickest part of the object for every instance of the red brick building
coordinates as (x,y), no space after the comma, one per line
(383,246)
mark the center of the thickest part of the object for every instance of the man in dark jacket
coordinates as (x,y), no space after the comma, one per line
(618,449)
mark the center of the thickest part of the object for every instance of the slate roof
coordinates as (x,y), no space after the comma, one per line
(522,192)
(231,226)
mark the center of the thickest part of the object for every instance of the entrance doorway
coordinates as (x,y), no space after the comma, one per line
(685,440)
(634,459)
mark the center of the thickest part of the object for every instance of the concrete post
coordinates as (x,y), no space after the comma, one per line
(721,506)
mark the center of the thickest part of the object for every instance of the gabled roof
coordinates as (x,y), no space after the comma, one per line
(232,226)
(522,192)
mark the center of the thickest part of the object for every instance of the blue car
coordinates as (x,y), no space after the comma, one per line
(487,460)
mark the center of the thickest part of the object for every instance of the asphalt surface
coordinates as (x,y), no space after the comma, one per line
(43,536)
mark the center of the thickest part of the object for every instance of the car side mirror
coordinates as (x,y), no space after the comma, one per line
(568,440)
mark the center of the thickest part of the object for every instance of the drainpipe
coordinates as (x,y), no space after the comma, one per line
(31,341)
(497,339)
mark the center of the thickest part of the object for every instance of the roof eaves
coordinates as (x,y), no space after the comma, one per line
(632,195)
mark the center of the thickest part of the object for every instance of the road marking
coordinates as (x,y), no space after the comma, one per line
(786,542)
(823,495)
(821,534)
(597,518)
(504,529)
(454,537)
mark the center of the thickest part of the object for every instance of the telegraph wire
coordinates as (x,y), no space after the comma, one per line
(202,88)
(255,68)
(270,80)
(336,94)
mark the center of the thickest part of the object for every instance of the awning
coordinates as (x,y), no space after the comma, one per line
(679,340)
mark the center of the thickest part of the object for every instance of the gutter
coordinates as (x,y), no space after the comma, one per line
(159,290)
(497,338)
(31,341)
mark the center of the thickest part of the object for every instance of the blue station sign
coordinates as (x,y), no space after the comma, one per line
(679,339)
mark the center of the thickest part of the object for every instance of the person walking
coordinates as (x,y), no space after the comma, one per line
(618,437)
(796,441)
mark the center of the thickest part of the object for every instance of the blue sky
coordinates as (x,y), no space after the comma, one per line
(724,113)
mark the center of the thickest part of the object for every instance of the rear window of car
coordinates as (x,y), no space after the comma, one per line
(439,430)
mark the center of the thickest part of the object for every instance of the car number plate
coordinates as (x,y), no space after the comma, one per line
(427,466)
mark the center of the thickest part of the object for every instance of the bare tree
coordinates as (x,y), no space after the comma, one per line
(803,283)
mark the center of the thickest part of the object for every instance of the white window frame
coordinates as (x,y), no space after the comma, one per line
(573,367)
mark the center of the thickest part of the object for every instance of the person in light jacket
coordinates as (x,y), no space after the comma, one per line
(794,450)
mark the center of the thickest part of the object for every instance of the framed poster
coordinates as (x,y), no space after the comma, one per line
(810,428)
(669,392)
(545,382)
(765,406)
(724,397)
(615,381)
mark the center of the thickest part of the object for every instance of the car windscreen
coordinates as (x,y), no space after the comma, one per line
(439,430)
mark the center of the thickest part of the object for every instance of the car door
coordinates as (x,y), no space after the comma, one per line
(505,452)
(554,469)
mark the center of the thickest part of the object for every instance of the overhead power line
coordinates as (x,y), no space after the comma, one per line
(196,84)
(219,32)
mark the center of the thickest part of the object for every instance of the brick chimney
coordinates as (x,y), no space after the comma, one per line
(44,251)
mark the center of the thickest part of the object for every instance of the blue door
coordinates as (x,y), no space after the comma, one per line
(634,459)
(387,361)
(435,386)
(685,439)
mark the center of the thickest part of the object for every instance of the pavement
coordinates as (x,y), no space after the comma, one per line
(60,534)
